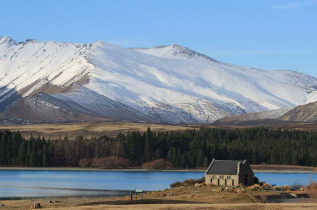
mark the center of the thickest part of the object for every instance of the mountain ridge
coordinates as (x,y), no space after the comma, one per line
(178,50)
(166,84)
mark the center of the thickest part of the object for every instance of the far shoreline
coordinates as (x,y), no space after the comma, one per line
(139,170)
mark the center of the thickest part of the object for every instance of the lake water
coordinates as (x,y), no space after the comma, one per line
(21,184)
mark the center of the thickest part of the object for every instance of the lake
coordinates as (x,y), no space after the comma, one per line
(27,183)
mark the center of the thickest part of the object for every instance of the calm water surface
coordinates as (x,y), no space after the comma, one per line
(19,184)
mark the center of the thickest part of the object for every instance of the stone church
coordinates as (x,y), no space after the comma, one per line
(229,173)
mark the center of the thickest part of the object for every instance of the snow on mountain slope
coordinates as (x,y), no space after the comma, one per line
(312,97)
(177,52)
(29,62)
(166,84)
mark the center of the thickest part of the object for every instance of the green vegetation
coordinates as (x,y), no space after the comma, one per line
(184,149)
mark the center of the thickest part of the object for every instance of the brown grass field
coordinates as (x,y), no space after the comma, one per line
(302,126)
(89,129)
(182,198)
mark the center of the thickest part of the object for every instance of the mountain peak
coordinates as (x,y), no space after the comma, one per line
(175,46)
(176,51)
(172,46)
(6,39)
(31,40)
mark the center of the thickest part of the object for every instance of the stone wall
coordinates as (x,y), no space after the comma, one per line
(223,180)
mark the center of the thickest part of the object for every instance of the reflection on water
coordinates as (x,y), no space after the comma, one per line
(85,183)
(19,184)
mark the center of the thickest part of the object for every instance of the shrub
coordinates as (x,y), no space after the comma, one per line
(176,184)
(188,182)
(105,162)
(296,186)
(254,187)
(158,164)
(286,187)
(312,189)
(84,163)
(266,185)
(276,188)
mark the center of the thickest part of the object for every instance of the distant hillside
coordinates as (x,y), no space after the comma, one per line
(274,114)
(303,113)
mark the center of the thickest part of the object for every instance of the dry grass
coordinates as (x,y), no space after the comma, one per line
(201,194)
(286,188)
(178,198)
(311,189)
(283,206)
(189,182)
(195,196)
(87,129)
(284,125)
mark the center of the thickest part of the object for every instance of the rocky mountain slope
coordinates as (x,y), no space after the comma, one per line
(166,84)
(273,114)
(303,113)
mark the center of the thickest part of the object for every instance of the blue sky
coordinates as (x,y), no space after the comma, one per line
(267,34)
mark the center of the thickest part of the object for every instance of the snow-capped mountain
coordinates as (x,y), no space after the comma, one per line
(165,84)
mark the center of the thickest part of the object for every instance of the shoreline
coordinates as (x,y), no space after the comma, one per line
(140,170)
(96,169)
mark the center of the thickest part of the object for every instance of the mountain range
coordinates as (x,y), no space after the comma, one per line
(48,82)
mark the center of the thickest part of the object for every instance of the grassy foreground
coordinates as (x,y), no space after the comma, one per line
(178,198)
(25,204)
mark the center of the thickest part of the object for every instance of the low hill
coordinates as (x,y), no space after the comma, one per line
(303,113)
(236,119)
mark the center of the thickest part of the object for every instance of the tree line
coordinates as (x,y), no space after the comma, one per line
(184,149)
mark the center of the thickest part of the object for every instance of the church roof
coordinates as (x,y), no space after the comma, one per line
(224,167)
